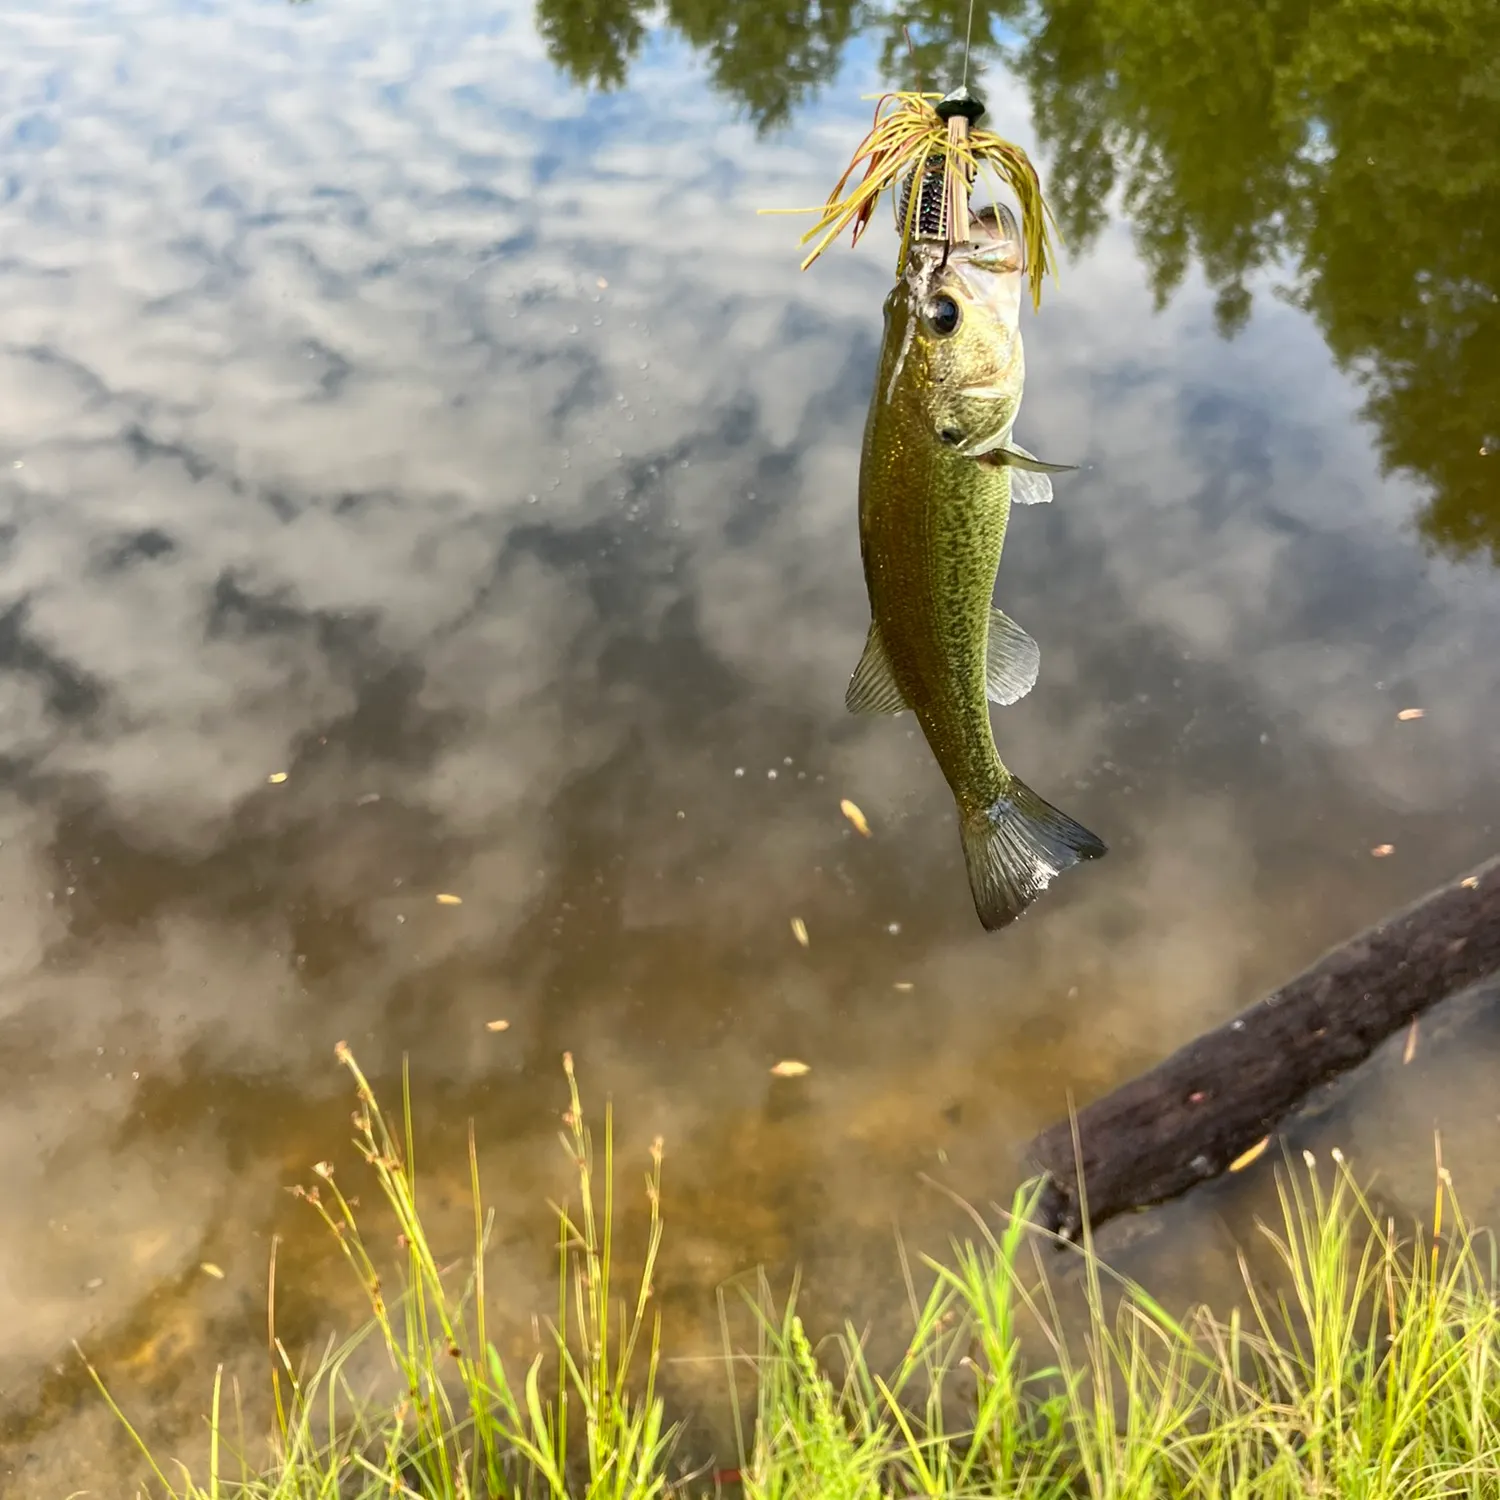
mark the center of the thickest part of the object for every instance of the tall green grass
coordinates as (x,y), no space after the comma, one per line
(1373,1372)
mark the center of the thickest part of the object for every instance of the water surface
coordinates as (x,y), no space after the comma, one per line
(409,403)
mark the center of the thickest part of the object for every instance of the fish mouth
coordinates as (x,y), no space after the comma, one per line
(995,226)
(988,265)
(987,268)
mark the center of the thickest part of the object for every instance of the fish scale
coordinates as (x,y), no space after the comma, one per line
(933,568)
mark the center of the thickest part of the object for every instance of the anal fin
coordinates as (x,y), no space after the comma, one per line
(1012,662)
(873,688)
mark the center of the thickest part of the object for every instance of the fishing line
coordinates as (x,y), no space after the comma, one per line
(957,196)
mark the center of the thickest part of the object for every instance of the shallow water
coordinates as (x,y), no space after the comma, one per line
(386,406)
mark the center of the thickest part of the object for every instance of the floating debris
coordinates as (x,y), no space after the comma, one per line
(210,1269)
(277,777)
(903,985)
(789,1067)
(444,899)
(1407,714)
(799,930)
(1470,882)
(1411,1045)
(1380,851)
(367,800)
(1253,1154)
(855,816)
(497,1025)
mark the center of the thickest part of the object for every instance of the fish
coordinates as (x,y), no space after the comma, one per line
(939,471)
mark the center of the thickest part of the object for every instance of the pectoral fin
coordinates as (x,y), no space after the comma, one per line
(873,689)
(1029,488)
(1012,662)
(1017,457)
(1029,484)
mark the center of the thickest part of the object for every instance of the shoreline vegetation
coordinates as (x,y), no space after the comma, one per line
(1374,1372)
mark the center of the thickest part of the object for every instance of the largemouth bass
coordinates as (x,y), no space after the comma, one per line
(938,474)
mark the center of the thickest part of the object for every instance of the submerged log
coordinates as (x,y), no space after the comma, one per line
(1191,1116)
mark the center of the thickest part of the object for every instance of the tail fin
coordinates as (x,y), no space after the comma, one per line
(1016,848)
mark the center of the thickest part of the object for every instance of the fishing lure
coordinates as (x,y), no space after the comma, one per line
(927,150)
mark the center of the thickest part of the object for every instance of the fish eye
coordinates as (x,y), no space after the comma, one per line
(943,315)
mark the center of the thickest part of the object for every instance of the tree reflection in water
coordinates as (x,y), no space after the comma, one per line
(1345,146)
